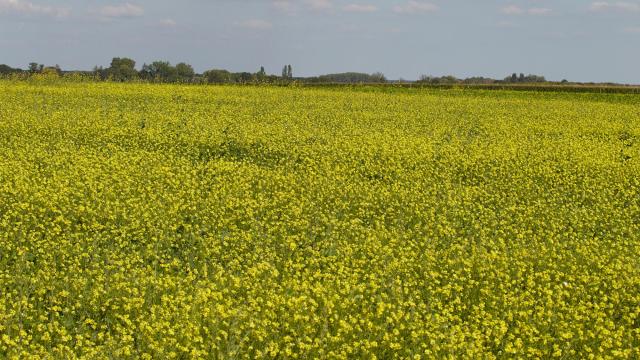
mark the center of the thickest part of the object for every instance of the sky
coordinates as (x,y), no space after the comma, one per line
(578,40)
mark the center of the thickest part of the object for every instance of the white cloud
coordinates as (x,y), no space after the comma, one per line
(255,24)
(512,10)
(539,11)
(599,6)
(283,5)
(633,30)
(28,8)
(168,23)
(291,7)
(363,8)
(320,4)
(517,10)
(413,6)
(122,10)
(602,6)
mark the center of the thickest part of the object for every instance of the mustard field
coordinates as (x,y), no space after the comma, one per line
(196,222)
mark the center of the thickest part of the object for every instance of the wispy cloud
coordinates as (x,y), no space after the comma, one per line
(22,7)
(125,10)
(512,10)
(602,6)
(168,23)
(539,11)
(285,6)
(293,7)
(413,7)
(319,4)
(255,24)
(362,8)
(517,10)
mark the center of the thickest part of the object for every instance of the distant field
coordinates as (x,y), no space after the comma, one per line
(153,221)
(537,87)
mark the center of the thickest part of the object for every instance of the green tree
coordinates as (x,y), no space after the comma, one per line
(6,69)
(184,72)
(287,72)
(244,77)
(122,69)
(35,67)
(99,72)
(160,71)
(262,74)
(354,77)
(217,76)
(378,77)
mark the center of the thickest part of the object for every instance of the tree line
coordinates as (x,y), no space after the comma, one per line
(124,69)
(512,79)
(33,68)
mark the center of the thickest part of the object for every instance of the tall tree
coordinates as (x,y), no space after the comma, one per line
(262,74)
(122,69)
(34,67)
(159,71)
(184,72)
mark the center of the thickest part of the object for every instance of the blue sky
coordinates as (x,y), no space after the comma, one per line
(578,40)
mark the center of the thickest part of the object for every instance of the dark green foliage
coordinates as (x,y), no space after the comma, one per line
(158,71)
(348,77)
(525,79)
(35,67)
(163,71)
(122,69)
(184,72)
(449,79)
(217,76)
(287,72)
(6,69)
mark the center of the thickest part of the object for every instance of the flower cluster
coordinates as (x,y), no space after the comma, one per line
(166,221)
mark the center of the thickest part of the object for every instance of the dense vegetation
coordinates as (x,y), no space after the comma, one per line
(124,70)
(167,221)
(349,78)
(513,79)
